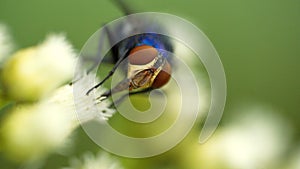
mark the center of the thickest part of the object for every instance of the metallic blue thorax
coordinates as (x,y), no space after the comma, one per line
(152,40)
(160,42)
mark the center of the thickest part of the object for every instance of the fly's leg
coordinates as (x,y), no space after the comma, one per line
(109,74)
(111,40)
(95,60)
(100,48)
(123,7)
(120,99)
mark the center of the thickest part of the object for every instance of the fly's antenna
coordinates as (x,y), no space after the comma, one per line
(123,6)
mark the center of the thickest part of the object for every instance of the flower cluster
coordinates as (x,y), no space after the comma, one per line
(34,126)
(37,108)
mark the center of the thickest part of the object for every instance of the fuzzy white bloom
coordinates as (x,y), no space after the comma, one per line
(32,73)
(30,132)
(87,106)
(100,161)
(255,139)
(5,43)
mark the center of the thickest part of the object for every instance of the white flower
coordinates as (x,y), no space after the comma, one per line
(87,106)
(254,139)
(30,132)
(32,73)
(100,161)
(5,43)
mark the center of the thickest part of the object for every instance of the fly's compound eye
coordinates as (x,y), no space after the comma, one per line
(142,55)
(163,76)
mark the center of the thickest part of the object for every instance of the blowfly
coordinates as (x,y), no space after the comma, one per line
(149,66)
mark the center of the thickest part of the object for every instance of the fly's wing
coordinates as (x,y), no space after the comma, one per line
(98,50)
(106,35)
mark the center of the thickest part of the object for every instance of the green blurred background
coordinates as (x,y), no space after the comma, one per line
(258,43)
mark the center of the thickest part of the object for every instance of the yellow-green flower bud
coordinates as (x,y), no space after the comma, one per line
(32,73)
(30,132)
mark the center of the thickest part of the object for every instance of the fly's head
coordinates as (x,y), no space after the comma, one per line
(147,68)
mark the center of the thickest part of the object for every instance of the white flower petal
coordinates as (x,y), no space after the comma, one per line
(100,161)
(88,107)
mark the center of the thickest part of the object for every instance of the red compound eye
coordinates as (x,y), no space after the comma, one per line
(142,55)
(163,76)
